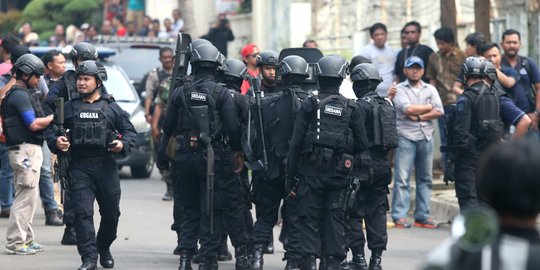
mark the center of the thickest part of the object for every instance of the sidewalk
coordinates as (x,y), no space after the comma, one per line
(444,204)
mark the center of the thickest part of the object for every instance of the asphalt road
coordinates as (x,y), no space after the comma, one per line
(145,240)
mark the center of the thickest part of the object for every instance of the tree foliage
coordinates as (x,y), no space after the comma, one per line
(45,14)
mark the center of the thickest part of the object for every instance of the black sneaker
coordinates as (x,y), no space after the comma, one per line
(52,218)
(5,212)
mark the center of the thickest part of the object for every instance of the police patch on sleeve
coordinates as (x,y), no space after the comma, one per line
(332,110)
(460,104)
(198,96)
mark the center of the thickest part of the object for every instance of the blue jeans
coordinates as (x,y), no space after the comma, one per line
(419,154)
(6,179)
(46,187)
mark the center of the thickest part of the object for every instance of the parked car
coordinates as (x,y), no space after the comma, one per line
(141,158)
(136,55)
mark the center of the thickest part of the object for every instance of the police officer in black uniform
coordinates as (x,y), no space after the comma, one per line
(328,133)
(66,87)
(474,126)
(374,172)
(278,116)
(234,72)
(191,162)
(99,129)
(268,61)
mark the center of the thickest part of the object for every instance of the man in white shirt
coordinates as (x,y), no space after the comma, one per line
(381,55)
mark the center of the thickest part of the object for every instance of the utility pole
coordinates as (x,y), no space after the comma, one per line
(186,7)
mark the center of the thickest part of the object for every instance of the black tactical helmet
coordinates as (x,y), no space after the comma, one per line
(474,66)
(198,42)
(30,64)
(268,58)
(206,53)
(84,51)
(235,68)
(91,67)
(365,72)
(293,65)
(490,71)
(332,66)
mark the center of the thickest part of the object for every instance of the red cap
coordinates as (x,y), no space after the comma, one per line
(250,48)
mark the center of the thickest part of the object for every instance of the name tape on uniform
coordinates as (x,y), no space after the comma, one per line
(332,110)
(198,96)
(88,115)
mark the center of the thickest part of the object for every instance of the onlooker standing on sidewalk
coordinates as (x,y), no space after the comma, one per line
(443,67)
(417,104)
(24,121)
(473,41)
(135,12)
(119,28)
(221,35)
(412,31)
(178,22)
(250,52)
(381,55)
(530,75)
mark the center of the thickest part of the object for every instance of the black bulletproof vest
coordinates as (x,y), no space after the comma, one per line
(196,94)
(14,128)
(90,128)
(486,125)
(329,127)
(381,122)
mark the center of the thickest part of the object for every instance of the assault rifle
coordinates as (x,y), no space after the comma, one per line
(62,158)
(258,164)
(181,60)
(201,116)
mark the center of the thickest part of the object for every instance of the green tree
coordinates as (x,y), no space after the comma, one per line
(45,14)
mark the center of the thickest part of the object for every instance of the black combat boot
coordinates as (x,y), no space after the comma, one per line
(208,263)
(257,263)
(270,248)
(292,264)
(358,261)
(309,263)
(375,260)
(344,265)
(223,252)
(185,260)
(242,260)
(332,263)
(322,264)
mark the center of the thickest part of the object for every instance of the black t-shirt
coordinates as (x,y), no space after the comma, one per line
(421,51)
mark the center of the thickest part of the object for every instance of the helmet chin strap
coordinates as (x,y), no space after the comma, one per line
(86,95)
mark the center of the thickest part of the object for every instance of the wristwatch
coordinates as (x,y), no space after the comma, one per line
(537,113)
(418,118)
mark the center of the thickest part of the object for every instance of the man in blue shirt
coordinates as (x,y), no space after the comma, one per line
(515,103)
(530,75)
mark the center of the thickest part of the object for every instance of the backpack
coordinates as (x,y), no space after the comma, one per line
(486,115)
(383,132)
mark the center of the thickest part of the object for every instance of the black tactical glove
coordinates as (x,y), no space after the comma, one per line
(162,162)
(449,171)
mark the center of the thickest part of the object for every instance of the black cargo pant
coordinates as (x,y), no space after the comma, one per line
(228,209)
(268,194)
(370,206)
(178,207)
(465,184)
(290,229)
(95,179)
(321,216)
